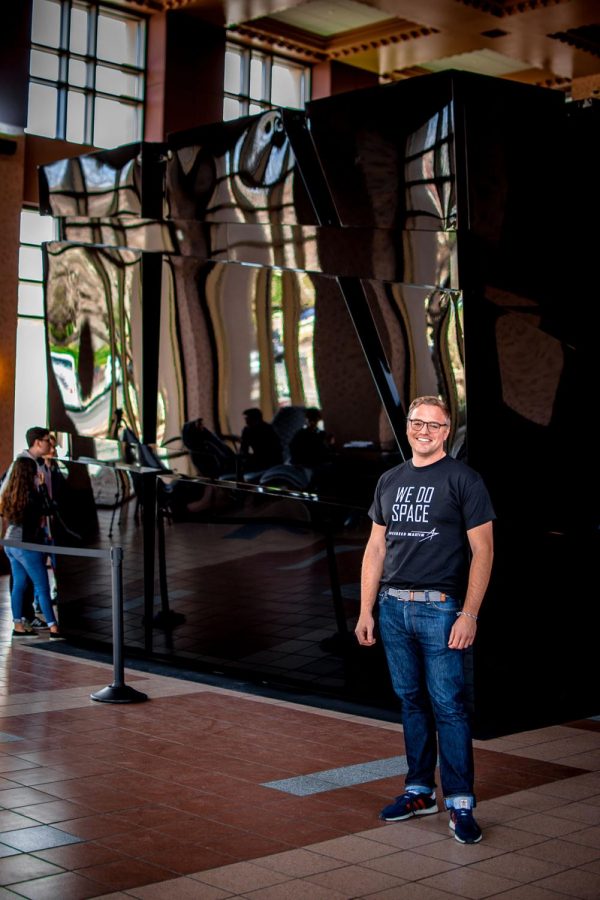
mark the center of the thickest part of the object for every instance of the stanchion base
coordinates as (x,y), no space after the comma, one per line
(116,693)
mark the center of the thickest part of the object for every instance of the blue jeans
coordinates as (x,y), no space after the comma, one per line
(428,678)
(24,564)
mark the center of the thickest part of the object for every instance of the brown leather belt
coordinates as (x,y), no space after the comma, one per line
(418,596)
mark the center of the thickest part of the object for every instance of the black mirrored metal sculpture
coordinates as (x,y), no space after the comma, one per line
(385,244)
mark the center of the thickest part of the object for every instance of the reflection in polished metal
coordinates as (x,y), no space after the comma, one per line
(234,336)
(93,322)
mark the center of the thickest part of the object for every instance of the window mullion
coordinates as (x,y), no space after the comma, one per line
(91,79)
(63,70)
(267,73)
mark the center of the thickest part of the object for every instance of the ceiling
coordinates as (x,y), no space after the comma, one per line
(552,43)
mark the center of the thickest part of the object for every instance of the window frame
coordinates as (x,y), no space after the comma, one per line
(91,61)
(244,98)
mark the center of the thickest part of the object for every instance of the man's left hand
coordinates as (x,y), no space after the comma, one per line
(463,633)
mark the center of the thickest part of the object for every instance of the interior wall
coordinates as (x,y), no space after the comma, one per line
(194,66)
(333,77)
(11,187)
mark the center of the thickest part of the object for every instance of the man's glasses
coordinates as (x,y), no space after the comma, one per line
(419,424)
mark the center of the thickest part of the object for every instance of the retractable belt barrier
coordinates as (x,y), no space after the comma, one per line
(118,691)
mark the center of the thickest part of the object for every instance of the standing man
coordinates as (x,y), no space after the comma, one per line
(428,562)
(38,446)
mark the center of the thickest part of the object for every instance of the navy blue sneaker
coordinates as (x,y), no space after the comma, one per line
(465,828)
(407,805)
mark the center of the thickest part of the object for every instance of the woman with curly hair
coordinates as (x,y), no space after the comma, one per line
(22,509)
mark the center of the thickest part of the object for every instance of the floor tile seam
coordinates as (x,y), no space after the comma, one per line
(57,704)
(215,689)
(50,694)
(583,747)
(108,667)
(106,889)
(562,760)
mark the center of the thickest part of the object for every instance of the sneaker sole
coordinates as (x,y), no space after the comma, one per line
(452,827)
(410,815)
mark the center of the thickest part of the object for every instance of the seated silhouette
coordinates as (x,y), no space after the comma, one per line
(210,455)
(311,446)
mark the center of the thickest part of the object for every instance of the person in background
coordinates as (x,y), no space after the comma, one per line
(38,444)
(427,563)
(260,445)
(23,509)
(210,455)
(311,446)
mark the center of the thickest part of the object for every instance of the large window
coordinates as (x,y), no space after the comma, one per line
(256,81)
(30,378)
(86,81)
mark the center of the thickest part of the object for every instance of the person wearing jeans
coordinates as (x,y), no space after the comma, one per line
(26,564)
(427,566)
(22,510)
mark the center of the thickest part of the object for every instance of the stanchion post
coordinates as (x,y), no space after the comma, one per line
(118,691)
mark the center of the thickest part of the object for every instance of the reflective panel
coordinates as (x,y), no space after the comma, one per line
(259,541)
(396,169)
(107,183)
(93,322)
(241,171)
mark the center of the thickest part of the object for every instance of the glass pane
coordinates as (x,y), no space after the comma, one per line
(31,300)
(45,26)
(232,109)
(31,383)
(286,86)
(30,263)
(256,108)
(44,65)
(77,72)
(257,66)
(233,71)
(115,123)
(35,228)
(113,81)
(79,30)
(119,39)
(76,117)
(41,117)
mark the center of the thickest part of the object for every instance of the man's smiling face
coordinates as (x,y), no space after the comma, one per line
(426,440)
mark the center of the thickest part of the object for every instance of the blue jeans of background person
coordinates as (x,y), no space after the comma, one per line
(428,678)
(24,563)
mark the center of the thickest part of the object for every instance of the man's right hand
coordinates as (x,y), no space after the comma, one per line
(364,630)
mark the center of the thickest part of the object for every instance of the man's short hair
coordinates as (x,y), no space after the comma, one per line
(253,413)
(430,401)
(36,433)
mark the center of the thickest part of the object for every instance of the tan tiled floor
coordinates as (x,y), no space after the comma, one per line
(166,799)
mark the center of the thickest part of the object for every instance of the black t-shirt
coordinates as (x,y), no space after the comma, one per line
(427,511)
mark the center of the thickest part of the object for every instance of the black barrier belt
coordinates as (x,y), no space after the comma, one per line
(118,691)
